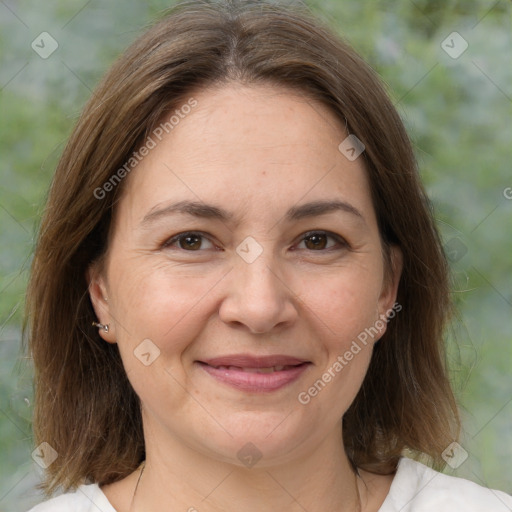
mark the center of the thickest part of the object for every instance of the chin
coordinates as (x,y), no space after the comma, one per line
(259,438)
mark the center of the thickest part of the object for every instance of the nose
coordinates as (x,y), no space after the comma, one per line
(258,297)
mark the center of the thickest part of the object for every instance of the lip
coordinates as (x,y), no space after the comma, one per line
(248,373)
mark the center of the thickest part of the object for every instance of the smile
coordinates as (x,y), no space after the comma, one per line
(269,369)
(256,380)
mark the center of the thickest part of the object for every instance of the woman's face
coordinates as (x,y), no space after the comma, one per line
(244,264)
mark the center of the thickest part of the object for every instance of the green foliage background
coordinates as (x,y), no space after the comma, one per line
(457,111)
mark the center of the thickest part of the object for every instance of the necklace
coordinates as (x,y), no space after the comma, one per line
(359,504)
(143,465)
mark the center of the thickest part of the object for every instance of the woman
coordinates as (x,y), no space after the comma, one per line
(238,294)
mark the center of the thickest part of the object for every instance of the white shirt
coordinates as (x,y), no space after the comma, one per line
(415,488)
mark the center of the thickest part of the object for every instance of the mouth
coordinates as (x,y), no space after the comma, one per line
(269,369)
(255,374)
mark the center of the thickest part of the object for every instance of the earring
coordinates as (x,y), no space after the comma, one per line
(101,326)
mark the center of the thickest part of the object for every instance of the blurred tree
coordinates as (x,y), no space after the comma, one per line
(456,108)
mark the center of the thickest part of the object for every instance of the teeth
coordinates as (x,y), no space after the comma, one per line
(264,370)
(269,369)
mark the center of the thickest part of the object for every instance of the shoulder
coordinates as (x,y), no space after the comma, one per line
(418,488)
(87,498)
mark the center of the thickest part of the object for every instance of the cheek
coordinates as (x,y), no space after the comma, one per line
(159,302)
(343,312)
(344,302)
(169,307)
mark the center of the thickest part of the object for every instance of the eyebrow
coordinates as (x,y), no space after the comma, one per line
(207,211)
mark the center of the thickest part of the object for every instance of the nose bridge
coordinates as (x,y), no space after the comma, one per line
(257,296)
(254,257)
(256,271)
(260,276)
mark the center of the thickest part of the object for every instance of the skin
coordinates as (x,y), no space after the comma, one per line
(255,151)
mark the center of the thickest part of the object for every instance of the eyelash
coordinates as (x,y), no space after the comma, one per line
(340,240)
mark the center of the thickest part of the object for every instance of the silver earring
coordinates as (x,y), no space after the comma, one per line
(104,327)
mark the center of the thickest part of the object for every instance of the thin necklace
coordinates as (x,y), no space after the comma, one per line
(359,504)
(143,466)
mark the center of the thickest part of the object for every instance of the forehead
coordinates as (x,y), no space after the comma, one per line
(245,148)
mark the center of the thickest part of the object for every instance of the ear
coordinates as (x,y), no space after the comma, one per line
(386,305)
(99,299)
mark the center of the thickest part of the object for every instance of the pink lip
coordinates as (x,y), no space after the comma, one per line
(236,371)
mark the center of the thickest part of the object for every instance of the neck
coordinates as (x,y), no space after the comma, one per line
(183,479)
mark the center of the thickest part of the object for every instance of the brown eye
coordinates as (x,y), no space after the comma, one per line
(320,241)
(316,241)
(191,242)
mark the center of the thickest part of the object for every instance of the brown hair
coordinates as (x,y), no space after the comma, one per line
(85,406)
